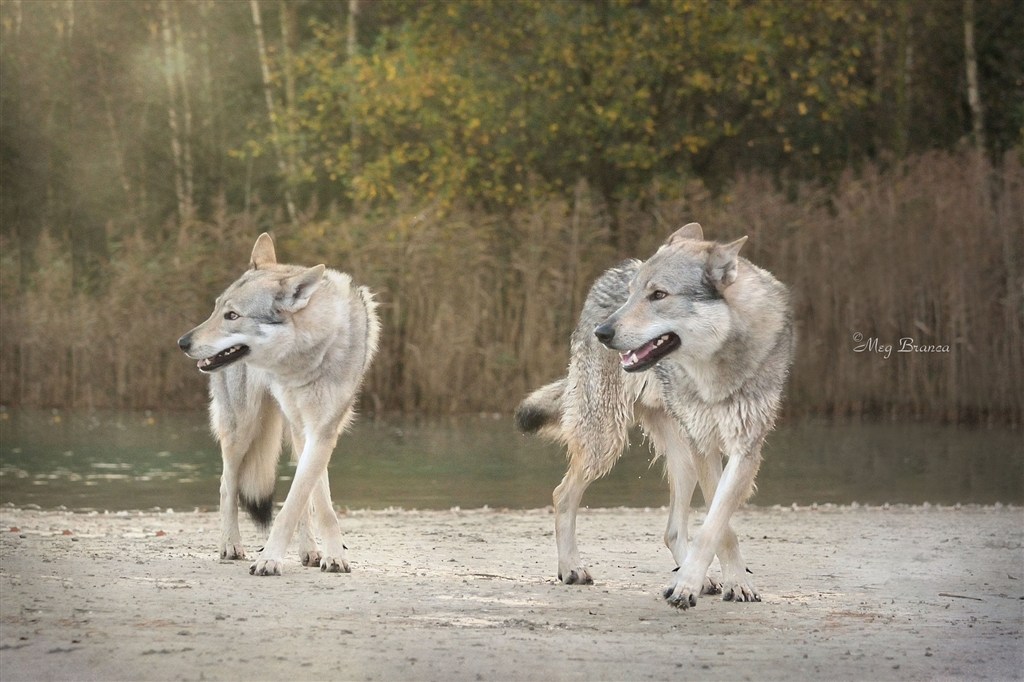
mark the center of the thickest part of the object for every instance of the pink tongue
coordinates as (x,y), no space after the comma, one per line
(641,354)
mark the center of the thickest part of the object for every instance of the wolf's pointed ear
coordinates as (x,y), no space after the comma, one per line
(687,231)
(297,289)
(263,252)
(723,261)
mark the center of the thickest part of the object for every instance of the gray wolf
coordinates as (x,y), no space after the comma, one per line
(285,344)
(694,345)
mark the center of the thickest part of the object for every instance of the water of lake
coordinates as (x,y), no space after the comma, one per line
(117,461)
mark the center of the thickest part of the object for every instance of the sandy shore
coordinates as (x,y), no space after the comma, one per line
(849,593)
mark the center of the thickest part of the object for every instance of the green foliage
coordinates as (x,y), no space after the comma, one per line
(495,102)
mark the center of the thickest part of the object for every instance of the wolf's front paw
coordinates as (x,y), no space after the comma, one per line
(311,558)
(686,588)
(681,596)
(266,567)
(334,565)
(711,586)
(232,552)
(740,591)
(575,576)
(736,585)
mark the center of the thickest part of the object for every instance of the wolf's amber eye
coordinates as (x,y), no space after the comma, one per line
(657,295)
(231,315)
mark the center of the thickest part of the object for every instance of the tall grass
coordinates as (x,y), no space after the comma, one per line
(477,308)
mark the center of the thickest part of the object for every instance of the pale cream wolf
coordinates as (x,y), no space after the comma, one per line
(292,341)
(715,336)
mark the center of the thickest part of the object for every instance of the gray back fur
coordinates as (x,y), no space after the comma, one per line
(597,405)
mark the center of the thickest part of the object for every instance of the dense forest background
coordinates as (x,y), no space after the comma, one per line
(478,163)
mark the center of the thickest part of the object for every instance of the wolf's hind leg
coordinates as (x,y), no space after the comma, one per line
(309,551)
(333,559)
(733,487)
(681,470)
(312,465)
(247,424)
(736,585)
(567,496)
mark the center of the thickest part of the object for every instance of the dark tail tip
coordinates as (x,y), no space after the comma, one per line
(529,419)
(261,511)
(541,411)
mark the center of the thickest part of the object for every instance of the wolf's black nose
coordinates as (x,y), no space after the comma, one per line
(604,333)
(185,342)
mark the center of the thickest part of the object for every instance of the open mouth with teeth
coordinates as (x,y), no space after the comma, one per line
(223,358)
(650,353)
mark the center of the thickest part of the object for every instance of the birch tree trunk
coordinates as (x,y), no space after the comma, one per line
(188,167)
(973,89)
(112,125)
(268,95)
(172,110)
(351,49)
(904,79)
(210,106)
(286,11)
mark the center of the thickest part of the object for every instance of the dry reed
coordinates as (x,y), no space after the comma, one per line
(477,308)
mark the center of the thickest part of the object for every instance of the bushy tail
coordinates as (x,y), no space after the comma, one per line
(260,511)
(541,411)
(257,475)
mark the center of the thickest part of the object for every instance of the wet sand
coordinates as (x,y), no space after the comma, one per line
(901,593)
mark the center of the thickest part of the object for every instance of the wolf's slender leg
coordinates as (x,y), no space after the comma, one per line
(333,559)
(230,535)
(735,584)
(733,488)
(309,551)
(312,463)
(682,478)
(567,496)
(229,395)
(681,469)
(247,423)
